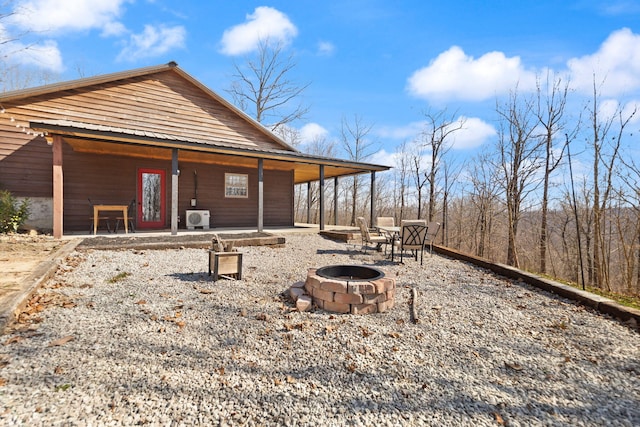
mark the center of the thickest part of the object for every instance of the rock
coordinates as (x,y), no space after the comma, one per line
(304,303)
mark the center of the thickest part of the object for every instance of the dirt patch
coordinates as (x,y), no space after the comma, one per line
(20,254)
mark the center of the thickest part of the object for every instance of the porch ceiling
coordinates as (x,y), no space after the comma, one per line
(305,168)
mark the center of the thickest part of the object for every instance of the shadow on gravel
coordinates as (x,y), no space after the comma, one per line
(191,277)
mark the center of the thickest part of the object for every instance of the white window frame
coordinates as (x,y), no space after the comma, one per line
(236,185)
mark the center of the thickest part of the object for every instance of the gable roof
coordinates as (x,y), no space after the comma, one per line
(15,97)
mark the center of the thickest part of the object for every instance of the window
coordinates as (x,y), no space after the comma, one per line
(236,185)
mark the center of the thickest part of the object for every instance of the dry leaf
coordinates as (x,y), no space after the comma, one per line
(515,366)
(290,379)
(13,340)
(61,341)
(141,302)
(58,370)
(206,291)
(181,324)
(498,418)
(3,382)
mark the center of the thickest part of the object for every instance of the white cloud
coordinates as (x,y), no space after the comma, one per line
(383,158)
(312,132)
(326,48)
(265,23)
(153,41)
(67,15)
(43,55)
(455,75)
(615,66)
(474,133)
(406,132)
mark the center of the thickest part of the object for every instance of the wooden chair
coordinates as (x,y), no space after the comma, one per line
(413,238)
(370,237)
(432,231)
(131,211)
(100,218)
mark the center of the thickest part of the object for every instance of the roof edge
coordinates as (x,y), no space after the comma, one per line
(82,82)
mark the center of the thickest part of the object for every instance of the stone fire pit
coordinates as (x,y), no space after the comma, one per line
(355,289)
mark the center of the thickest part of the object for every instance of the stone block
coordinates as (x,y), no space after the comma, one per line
(323,295)
(347,298)
(334,286)
(380,285)
(304,303)
(311,283)
(364,308)
(374,298)
(296,293)
(299,284)
(391,294)
(362,288)
(386,305)
(337,307)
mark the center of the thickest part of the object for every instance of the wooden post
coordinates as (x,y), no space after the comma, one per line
(309,202)
(321,197)
(175,172)
(58,196)
(373,197)
(260,194)
(335,201)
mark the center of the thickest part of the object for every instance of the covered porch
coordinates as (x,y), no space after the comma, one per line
(108,166)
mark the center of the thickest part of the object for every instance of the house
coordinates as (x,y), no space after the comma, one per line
(155,137)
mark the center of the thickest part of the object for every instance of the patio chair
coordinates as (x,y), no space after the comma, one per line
(385,221)
(370,237)
(100,218)
(130,217)
(412,238)
(432,230)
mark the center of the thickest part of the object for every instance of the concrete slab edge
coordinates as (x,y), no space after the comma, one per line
(44,271)
(597,302)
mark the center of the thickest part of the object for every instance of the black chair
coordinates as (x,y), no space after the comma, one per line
(413,238)
(130,217)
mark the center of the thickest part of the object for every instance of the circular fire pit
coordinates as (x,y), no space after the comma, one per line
(355,289)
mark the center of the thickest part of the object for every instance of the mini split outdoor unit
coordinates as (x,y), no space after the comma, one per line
(198,218)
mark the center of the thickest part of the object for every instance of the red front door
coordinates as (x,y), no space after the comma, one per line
(151,198)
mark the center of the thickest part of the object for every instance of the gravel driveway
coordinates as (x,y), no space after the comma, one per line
(145,337)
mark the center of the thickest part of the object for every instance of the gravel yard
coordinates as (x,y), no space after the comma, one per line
(125,337)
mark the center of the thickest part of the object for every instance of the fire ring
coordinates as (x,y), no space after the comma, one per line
(355,289)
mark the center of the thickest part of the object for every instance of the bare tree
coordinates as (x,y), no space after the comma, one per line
(552,100)
(354,138)
(436,137)
(401,171)
(264,89)
(519,151)
(606,151)
(484,196)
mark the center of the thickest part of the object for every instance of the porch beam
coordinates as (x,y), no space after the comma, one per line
(260,194)
(58,199)
(309,202)
(175,172)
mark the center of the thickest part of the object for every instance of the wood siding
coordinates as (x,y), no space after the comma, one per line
(163,102)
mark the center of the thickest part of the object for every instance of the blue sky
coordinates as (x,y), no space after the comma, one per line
(385,61)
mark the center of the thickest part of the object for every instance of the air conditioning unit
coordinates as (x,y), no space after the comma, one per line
(197,218)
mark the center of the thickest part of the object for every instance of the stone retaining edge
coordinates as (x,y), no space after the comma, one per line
(597,302)
(14,304)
